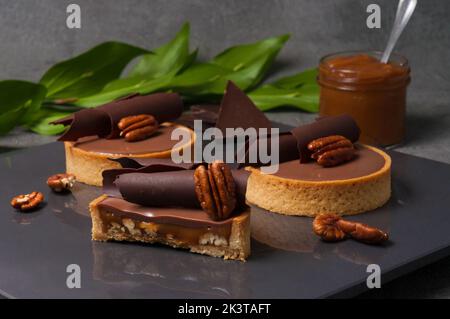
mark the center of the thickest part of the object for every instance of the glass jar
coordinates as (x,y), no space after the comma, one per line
(374,93)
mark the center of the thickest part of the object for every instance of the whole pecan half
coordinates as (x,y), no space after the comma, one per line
(61,182)
(331,150)
(331,227)
(137,127)
(215,190)
(325,226)
(27,202)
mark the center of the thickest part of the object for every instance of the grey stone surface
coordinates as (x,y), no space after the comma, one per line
(34,36)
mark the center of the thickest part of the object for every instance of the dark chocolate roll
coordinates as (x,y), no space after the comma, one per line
(176,189)
(163,186)
(102,120)
(294,144)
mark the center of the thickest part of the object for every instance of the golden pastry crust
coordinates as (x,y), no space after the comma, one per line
(237,245)
(311,198)
(88,166)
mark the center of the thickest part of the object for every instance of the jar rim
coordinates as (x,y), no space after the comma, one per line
(395,57)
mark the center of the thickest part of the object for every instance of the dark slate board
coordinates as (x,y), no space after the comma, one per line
(287,260)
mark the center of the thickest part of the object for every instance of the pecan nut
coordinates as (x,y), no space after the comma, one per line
(362,232)
(61,182)
(137,127)
(325,226)
(331,227)
(215,190)
(27,202)
(331,150)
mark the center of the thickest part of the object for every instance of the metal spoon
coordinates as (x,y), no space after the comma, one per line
(405,10)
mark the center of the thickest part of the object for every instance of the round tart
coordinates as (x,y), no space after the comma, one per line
(88,157)
(309,189)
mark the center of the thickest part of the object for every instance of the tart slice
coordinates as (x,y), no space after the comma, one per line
(201,209)
(119,220)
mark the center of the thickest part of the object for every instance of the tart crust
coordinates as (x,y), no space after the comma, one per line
(88,166)
(311,198)
(236,246)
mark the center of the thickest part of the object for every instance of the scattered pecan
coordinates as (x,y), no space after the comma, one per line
(215,190)
(362,232)
(61,182)
(27,202)
(325,226)
(137,127)
(331,150)
(331,227)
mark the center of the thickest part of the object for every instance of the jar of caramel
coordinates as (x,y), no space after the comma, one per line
(374,93)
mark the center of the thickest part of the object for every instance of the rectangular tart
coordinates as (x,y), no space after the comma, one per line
(118,220)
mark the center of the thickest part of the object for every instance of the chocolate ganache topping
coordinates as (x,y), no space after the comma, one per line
(102,121)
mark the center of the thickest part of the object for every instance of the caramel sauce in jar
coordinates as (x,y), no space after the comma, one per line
(373,93)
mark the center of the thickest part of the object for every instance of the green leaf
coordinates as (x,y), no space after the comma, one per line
(89,72)
(197,78)
(299,90)
(244,64)
(239,57)
(297,80)
(120,89)
(168,59)
(42,119)
(19,101)
(269,97)
(244,78)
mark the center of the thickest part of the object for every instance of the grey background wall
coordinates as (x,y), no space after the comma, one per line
(33,36)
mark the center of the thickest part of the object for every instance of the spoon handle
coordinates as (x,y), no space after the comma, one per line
(404,11)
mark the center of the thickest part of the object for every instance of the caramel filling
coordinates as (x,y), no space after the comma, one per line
(181,236)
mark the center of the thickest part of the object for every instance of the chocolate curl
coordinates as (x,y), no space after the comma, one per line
(137,162)
(294,144)
(87,122)
(162,186)
(343,125)
(176,189)
(287,149)
(137,165)
(240,177)
(102,121)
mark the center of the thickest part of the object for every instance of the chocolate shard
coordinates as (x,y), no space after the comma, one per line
(102,120)
(207,113)
(238,111)
(343,125)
